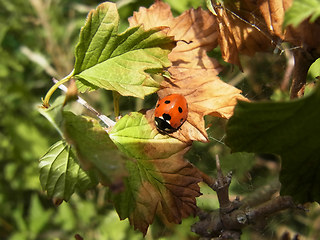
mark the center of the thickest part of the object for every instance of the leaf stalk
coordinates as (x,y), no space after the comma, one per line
(116,97)
(45,101)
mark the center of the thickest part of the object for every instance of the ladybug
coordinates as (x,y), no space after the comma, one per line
(170,113)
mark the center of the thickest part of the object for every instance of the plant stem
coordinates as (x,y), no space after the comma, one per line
(45,101)
(303,61)
(107,121)
(116,97)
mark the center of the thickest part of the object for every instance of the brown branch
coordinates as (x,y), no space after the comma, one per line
(261,195)
(303,60)
(221,186)
(274,205)
(289,70)
(229,225)
(233,216)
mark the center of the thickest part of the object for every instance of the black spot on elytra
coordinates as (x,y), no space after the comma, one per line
(166,117)
(180,109)
(158,105)
(181,120)
(167,101)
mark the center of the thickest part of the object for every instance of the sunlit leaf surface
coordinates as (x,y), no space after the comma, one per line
(120,62)
(94,148)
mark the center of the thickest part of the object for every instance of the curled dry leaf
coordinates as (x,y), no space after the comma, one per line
(242,29)
(306,34)
(303,34)
(193,73)
(247,27)
(273,12)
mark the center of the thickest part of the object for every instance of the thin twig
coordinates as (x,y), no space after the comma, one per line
(107,121)
(261,195)
(274,205)
(221,186)
(289,70)
(238,79)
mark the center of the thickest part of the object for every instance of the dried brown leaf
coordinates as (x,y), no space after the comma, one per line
(242,30)
(171,192)
(247,27)
(158,15)
(193,30)
(196,34)
(193,73)
(206,94)
(305,40)
(306,34)
(273,12)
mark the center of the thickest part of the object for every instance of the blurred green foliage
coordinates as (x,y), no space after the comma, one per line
(300,10)
(37,39)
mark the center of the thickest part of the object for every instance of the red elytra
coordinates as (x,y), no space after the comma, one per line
(170,113)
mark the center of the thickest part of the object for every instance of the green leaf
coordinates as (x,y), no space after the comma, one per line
(29,227)
(136,137)
(111,228)
(210,7)
(19,220)
(119,62)
(184,5)
(60,173)
(301,10)
(159,178)
(38,217)
(53,113)
(290,129)
(65,217)
(94,148)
